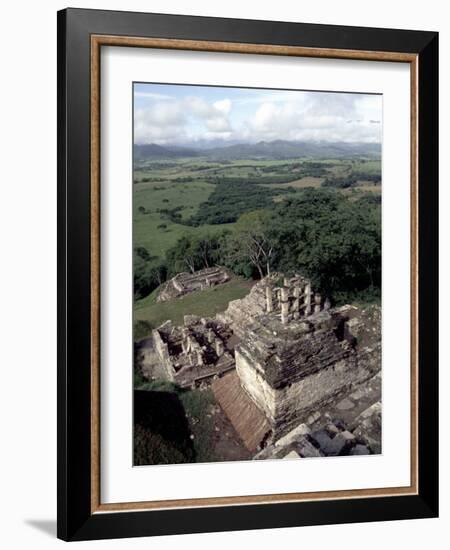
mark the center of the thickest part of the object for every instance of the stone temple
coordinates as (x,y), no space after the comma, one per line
(184,283)
(195,352)
(294,376)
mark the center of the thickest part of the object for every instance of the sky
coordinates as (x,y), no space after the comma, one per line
(170,114)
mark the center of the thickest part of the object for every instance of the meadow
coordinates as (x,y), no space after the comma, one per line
(186,183)
(193,197)
(212,300)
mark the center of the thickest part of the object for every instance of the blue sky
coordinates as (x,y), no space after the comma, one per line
(186,115)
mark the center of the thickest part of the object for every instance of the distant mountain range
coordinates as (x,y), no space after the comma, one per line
(154,151)
(279,149)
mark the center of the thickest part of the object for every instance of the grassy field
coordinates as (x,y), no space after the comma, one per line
(164,185)
(211,301)
(362,189)
(158,186)
(151,229)
(301,183)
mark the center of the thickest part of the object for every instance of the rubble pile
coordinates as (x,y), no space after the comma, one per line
(194,352)
(184,283)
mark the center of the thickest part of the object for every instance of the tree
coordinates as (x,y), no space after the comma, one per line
(183,255)
(333,240)
(252,241)
(195,252)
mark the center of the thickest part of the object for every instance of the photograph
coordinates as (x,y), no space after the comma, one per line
(247,261)
(257,268)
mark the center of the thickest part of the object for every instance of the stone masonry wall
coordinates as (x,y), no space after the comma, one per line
(294,402)
(161,348)
(255,384)
(300,371)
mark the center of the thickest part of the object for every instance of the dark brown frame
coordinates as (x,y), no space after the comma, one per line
(82,33)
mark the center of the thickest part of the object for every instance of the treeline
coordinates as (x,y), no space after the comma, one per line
(253,180)
(320,233)
(331,239)
(229,200)
(147,275)
(190,253)
(304,169)
(351,180)
(225,204)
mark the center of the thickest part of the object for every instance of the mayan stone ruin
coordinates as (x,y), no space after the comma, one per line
(195,352)
(296,377)
(184,283)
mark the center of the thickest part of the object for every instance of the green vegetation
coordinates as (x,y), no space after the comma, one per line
(196,212)
(161,429)
(147,274)
(195,252)
(317,216)
(352,180)
(213,300)
(197,403)
(330,238)
(141,329)
(157,240)
(230,200)
(172,425)
(251,246)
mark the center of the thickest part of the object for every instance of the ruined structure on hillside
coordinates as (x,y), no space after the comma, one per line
(300,371)
(184,283)
(295,354)
(195,352)
(276,297)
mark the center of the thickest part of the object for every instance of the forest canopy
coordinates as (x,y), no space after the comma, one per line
(332,238)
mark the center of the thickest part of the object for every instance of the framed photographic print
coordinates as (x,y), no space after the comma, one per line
(247,274)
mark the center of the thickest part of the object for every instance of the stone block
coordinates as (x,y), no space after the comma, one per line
(360,450)
(336,446)
(292,454)
(332,429)
(307,450)
(293,435)
(348,436)
(322,438)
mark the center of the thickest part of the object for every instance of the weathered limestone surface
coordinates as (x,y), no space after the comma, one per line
(360,436)
(194,352)
(162,350)
(284,298)
(368,428)
(291,368)
(184,283)
(306,375)
(294,373)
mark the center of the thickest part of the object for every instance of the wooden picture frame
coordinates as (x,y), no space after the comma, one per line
(81,35)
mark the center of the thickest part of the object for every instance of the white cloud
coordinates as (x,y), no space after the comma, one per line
(317,116)
(328,117)
(151,95)
(162,122)
(224,106)
(183,119)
